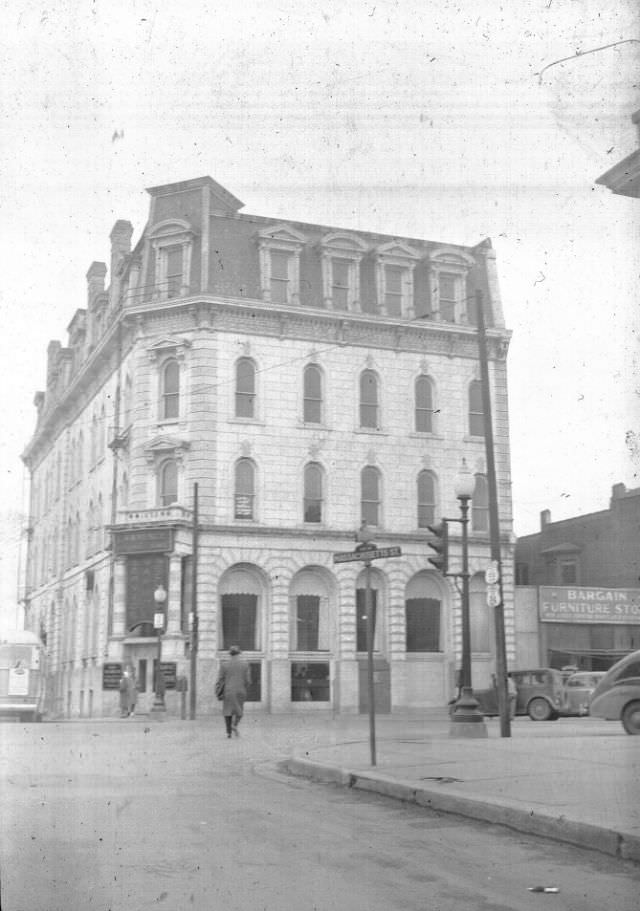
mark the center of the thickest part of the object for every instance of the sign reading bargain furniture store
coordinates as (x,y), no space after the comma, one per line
(564,604)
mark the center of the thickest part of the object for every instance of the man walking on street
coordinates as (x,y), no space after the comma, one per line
(231,687)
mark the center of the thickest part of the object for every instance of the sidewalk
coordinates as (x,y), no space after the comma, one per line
(573,780)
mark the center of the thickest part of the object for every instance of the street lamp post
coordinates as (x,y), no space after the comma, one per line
(467,719)
(159,596)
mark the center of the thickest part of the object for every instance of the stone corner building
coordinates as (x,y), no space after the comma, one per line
(306,378)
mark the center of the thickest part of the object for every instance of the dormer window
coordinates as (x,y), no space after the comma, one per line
(279,250)
(395,263)
(280,277)
(341,256)
(174,268)
(448,270)
(172,242)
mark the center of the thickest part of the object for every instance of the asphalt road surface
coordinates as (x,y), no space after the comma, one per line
(134,815)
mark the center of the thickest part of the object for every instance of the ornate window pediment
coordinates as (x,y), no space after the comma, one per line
(163,447)
(169,346)
(395,263)
(279,249)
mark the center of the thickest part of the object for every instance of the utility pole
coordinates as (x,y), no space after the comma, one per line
(193,650)
(494,523)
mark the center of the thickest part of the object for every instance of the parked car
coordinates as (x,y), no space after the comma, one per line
(579,688)
(540,694)
(617,696)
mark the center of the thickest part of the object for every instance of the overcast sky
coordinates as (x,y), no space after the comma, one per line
(442,120)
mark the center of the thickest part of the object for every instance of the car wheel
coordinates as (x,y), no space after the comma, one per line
(631,718)
(539,710)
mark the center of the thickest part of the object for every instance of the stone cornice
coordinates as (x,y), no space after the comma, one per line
(307,323)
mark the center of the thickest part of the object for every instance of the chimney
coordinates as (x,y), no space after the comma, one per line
(53,352)
(618,491)
(545,518)
(120,246)
(95,281)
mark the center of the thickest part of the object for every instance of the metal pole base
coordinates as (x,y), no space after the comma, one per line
(467,719)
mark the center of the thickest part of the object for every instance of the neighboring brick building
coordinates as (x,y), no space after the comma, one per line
(306,378)
(578,557)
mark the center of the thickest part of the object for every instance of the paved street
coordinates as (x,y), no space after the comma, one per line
(137,814)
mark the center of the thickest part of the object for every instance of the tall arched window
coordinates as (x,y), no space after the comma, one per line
(245,388)
(480,505)
(424,405)
(91,530)
(240,602)
(370,495)
(476,411)
(244,489)
(76,539)
(369,406)
(313,492)
(126,409)
(168,483)
(423,614)
(312,394)
(170,395)
(480,625)
(102,433)
(426,499)
(94,439)
(80,455)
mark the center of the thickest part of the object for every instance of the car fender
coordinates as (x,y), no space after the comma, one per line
(611,703)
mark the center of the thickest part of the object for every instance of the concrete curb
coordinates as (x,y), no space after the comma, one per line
(557,828)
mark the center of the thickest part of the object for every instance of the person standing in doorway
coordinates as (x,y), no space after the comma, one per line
(231,687)
(132,692)
(124,687)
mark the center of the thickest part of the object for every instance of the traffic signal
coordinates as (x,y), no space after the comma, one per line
(440,545)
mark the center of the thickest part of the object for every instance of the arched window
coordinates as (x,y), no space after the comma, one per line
(79,455)
(422,614)
(91,530)
(240,602)
(245,388)
(370,495)
(361,611)
(168,492)
(426,499)
(424,405)
(76,539)
(102,433)
(170,395)
(244,489)
(312,394)
(100,523)
(369,407)
(310,616)
(479,615)
(480,504)
(94,439)
(126,410)
(476,411)
(312,492)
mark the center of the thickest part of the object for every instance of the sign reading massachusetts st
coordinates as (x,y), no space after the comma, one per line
(567,604)
(367,553)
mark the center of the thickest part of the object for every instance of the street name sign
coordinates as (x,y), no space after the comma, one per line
(368,553)
(493,596)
